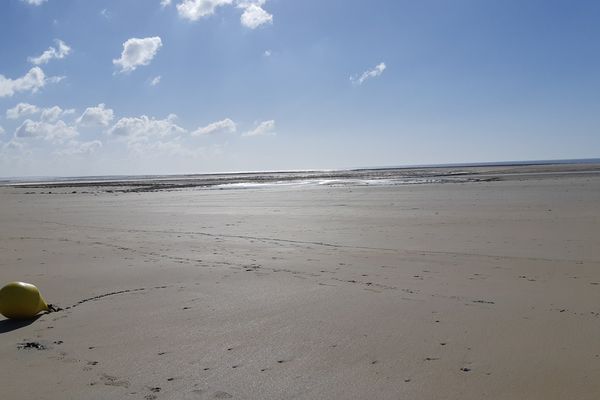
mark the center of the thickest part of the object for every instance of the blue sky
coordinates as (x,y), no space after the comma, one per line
(191,86)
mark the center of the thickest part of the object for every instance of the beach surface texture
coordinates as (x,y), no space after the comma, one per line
(468,283)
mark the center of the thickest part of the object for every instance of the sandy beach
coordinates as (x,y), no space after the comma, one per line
(481,289)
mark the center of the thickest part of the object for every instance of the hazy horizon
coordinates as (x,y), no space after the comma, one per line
(579,161)
(161,87)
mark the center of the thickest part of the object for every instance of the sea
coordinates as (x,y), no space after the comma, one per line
(364,176)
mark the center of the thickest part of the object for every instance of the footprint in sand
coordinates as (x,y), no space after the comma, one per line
(89,365)
(31,345)
(110,380)
(222,395)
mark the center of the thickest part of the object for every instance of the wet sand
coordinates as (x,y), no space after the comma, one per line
(474,290)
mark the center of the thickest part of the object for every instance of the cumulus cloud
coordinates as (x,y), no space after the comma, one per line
(51,114)
(53,131)
(143,128)
(32,81)
(369,74)
(223,126)
(165,3)
(263,129)
(94,116)
(138,52)
(54,113)
(52,52)
(196,9)
(34,2)
(20,110)
(74,147)
(13,145)
(254,15)
(267,53)
(26,109)
(155,81)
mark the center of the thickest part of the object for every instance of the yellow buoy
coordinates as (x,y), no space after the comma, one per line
(20,300)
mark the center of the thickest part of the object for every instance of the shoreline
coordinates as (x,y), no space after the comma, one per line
(394,176)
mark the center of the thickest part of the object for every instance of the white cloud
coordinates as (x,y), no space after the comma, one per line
(60,53)
(254,15)
(47,114)
(2,130)
(196,9)
(93,116)
(138,52)
(51,114)
(74,147)
(136,129)
(54,113)
(263,129)
(32,81)
(57,131)
(20,110)
(369,74)
(223,126)
(34,2)
(267,53)
(155,81)
(13,145)
(105,13)
(165,3)
(55,79)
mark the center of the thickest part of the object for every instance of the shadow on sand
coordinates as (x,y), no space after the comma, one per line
(9,325)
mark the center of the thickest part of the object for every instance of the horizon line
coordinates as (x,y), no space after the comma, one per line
(4,179)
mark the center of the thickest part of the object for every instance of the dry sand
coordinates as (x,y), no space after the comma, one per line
(485,290)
